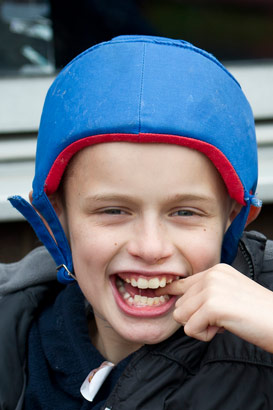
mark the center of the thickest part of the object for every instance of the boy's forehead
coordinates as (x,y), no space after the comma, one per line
(154,161)
(108,153)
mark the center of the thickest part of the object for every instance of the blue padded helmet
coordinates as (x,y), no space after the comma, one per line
(143,89)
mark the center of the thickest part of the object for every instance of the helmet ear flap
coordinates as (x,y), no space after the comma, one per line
(253,214)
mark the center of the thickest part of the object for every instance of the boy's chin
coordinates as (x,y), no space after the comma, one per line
(147,332)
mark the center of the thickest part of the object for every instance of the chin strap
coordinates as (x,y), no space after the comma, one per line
(231,239)
(61,254)
(60,267)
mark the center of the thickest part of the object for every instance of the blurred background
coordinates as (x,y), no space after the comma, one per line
(38,37)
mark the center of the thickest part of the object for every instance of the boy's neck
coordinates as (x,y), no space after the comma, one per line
(106,341)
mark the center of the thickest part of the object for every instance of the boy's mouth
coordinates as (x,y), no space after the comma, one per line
(135,293)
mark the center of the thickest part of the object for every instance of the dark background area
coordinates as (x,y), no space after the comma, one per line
(230,29)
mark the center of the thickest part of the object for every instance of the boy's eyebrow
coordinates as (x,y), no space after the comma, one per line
(171,198)
(190,197)
(108,197)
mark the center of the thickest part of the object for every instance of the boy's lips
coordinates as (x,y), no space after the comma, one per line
(134,293)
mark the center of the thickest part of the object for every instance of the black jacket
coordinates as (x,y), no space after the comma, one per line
(179,373)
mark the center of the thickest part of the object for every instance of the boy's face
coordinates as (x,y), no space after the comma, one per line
(138,216)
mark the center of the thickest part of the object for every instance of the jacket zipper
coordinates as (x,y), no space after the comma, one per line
(248,259)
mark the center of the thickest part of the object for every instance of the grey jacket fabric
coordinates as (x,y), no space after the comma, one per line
(26,286)
(35,268)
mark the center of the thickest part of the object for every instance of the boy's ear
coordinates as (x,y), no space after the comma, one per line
(30,195)
(59,207)
(54,200)
(57,204)
(234,211)
(236,208)
(253,214)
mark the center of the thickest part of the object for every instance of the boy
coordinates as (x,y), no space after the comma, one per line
(145,177)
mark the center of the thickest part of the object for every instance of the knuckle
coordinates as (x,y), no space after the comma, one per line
(179,317)
(211,307)
(188,330)
(210,278)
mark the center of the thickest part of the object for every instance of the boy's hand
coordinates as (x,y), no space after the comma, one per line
(223,298)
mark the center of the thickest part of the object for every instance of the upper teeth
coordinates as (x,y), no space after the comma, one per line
(152,283)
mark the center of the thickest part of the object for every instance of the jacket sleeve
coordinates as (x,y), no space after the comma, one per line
(17,312)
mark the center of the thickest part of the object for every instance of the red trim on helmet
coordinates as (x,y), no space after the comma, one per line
(223,165)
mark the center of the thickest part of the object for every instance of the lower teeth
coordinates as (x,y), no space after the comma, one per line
(145,301)
(139,300)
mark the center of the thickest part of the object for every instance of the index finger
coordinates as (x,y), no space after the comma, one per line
(180,286)
(177,287)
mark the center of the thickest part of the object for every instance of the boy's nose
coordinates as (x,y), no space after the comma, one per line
(150,243)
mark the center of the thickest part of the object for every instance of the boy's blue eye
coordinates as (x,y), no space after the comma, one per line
(183,212)
(113,211)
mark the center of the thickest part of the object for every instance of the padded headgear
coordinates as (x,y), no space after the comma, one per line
(144,89)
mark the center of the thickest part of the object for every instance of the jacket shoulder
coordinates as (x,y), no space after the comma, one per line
(257,251)
(268,257)
(37,267)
